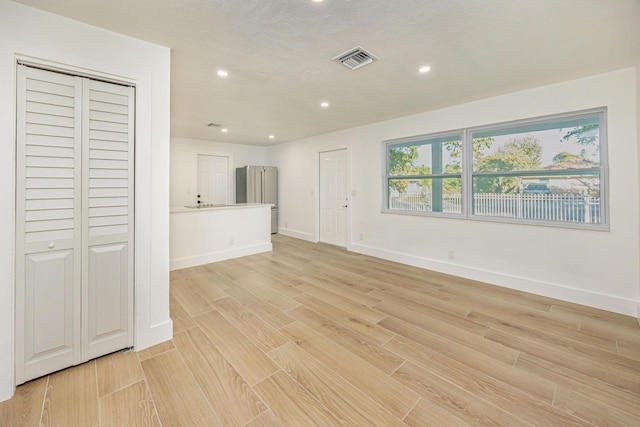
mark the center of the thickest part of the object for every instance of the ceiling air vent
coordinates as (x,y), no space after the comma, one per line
(355,58)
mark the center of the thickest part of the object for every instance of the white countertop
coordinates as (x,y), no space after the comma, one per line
(183,209)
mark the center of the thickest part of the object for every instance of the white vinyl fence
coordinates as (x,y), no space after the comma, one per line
(550,207)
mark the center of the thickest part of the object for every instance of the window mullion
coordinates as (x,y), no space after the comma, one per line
(467,171)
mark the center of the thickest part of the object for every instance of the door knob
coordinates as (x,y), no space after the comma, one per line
(51,245)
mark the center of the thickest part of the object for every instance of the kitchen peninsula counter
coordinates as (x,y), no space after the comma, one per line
(209,234)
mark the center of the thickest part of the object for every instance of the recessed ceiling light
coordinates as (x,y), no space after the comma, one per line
(223,73)
(317,1)
(324,104)
(271,136)
(425,69)
(224,130)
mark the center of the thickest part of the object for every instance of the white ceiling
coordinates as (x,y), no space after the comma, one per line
(278,54)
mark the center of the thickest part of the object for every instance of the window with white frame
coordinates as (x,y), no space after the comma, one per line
(425,175)
(547,170)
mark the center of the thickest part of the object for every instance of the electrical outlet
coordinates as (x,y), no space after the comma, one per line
(231,242)
(286,224)
(361,236)
(451,254)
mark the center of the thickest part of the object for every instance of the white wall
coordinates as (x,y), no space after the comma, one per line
(596,268)
(638,127)
(67,44)
(184,168)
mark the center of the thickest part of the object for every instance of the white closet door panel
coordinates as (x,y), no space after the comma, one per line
(49,283)
(49,291)
(108,310)
(108,218)
(48,232)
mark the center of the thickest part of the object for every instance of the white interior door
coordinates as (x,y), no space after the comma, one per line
(74,220)
(333,197)
(213,179)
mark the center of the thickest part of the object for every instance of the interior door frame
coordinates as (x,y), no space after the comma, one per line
(348,192)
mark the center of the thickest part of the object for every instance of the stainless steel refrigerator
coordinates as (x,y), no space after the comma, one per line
(259,184)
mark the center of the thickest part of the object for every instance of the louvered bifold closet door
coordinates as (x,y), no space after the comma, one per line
(48,215)
(74,220)
(108,134)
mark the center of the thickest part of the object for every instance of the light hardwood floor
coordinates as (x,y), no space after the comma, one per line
(314,335)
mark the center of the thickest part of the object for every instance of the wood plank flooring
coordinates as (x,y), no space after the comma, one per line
(310,335)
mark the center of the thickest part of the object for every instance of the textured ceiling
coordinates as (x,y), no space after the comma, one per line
(278,54)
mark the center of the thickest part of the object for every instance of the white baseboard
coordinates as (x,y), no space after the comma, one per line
(176,264)
(628,307)
(298,235)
